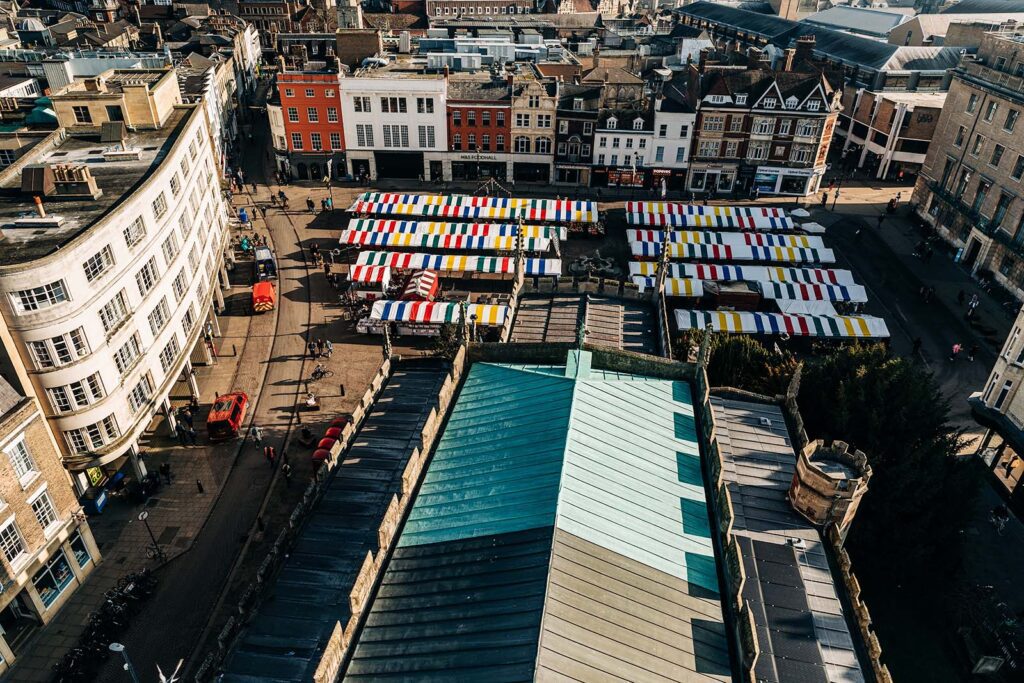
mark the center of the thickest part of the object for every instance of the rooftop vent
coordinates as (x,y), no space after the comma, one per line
(67,181)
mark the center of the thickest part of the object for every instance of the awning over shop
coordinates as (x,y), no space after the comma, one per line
(730,238)
(457,263)
(436,312)
(719,252)
(424,241)
(724,273)
(843,327)
(696,216)
(432,228)
(422,286)
(370,274)
(465,206)
(813,292)
(674,286)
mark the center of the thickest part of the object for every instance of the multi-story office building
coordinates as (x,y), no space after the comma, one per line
(674,120)
(112,262)
(888,133)
(622,147)
(470,8)
(999,406)
(578,107)
(479,127)
(534,104)
(395,122)
(47,547)
(970,185)
(313,144)
(761,128)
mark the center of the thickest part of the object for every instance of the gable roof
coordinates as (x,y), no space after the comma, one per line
(923,59)
(561,530)
(857,20)
(768,27)
(611,74)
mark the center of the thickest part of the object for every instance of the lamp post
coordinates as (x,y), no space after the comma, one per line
(144,518)
(119,648)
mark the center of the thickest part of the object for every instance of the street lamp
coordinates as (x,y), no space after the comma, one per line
(144,518)
(119,648)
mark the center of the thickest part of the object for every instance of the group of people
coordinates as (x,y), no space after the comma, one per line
(184,427)
(320,348)
(958,348)
(326,204)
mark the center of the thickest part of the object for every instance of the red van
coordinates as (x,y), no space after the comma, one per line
(226,416)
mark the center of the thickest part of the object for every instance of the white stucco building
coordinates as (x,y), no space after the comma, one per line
(674,120)
(395,123)
(110,296)
(622,148)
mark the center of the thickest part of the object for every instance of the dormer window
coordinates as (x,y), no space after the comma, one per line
(612,122)
(577,104)
(792,102)
(814,105)
(741,99)
(770,102)
(717,99)
(638,124)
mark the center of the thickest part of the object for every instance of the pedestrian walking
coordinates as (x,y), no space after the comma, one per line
(960,296)
(312,348)
(192,436)
(193,404)
(270,454)
(321,347)
(329,348)
(917,346)
(310,205)
(955,352)
(975,300)
(314,251)
(1008,465)
(186,417)
(179,431)
(881,219)
(928,295)
(323,205)
(327,270)
(254,188)
(165,472)
(971,352)
(256,433)
(286,470)
(824,199)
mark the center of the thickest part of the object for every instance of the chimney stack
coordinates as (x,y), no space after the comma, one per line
(804,50)
(787,59)
(39,206)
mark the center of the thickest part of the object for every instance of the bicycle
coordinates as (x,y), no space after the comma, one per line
(319,373)
(155,552)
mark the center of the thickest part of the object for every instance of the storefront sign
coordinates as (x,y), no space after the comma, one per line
(472,156)
(802,172)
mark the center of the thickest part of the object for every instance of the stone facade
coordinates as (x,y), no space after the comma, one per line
(969,186)
(829,483)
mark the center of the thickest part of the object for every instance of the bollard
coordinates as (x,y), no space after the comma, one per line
(341,390)
(199,485)
(234,351)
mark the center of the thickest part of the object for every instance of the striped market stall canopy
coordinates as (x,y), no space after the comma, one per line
(719,252)
(432,228)
(436,312)
(457,242)
(464,206)
(730,238)
(840,326)
(674,286)
(456,263)
(662,214)
(370,274)
(723,273)
(422,285)
(813,292)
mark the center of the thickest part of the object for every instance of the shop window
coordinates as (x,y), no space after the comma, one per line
(53,578)
(81,551)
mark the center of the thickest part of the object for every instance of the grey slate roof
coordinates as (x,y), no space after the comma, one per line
(984,7)
(769,27)
(801,629)
(857,19)
(9,397)
(286,638)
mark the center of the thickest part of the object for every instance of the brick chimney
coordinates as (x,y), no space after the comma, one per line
(787,59)
(804,50)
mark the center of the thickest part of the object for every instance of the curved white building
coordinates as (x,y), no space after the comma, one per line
(108,293)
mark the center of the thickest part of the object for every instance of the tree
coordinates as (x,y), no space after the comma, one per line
(893,410)
(446,343)
(742,362)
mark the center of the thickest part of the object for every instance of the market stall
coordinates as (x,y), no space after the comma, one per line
(459,242)
(672,214)
(730,238)
(674,286)
(841,327)
(437,228)
(421,286)
(450,263)
(710,271)
(465,206)
(369,282)
(424,318)
(813,292)
(720,252)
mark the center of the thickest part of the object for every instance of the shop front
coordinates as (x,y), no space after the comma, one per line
(620,177)
(671,178)
(705,179)
(527,172)
(572,174)
(472,166)
(317,166)
(799,182)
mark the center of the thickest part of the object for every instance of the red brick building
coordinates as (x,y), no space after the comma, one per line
(311,116)
(479,126)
